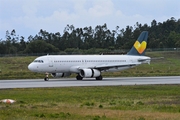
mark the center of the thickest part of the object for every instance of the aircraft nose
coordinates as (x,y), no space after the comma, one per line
(30,67)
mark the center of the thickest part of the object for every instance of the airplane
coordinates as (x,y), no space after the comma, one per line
(91,66)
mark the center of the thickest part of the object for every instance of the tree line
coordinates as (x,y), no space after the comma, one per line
(93,40)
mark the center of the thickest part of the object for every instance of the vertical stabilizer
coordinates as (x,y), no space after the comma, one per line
(139,46)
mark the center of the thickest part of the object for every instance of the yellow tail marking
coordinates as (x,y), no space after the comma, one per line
(140,47)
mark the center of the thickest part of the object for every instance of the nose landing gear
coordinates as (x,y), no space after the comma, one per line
(46,77)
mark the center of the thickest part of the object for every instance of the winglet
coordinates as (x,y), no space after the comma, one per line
(139,46)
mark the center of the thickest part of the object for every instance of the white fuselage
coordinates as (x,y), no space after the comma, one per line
(91,66)
(73,63)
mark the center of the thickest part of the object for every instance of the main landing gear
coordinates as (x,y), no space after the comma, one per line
(99,78)
(78,77)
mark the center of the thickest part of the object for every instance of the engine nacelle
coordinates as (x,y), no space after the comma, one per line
(60,74)
(89,73)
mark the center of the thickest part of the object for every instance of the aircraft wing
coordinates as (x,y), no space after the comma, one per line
(109,66)
(104,66)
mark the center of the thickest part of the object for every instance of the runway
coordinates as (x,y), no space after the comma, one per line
(69,82)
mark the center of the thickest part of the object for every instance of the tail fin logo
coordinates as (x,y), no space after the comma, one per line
(140,47)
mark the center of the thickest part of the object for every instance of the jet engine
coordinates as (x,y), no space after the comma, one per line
(89,73)
(60,74)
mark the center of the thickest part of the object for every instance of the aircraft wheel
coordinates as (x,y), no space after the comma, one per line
(46,79)
(78,77)
(99,78)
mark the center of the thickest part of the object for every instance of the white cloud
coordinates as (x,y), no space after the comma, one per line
(53,16)
(30,7)
(101,9)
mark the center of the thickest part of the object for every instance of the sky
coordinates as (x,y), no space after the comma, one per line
(27,17)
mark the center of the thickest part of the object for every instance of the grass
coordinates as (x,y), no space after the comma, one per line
(150,102)
(168,66)
(16,67)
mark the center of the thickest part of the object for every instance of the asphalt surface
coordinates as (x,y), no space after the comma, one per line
(69,82)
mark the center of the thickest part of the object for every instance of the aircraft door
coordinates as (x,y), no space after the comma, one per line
(50,62)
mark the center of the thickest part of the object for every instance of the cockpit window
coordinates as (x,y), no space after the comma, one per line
(38,61)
